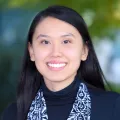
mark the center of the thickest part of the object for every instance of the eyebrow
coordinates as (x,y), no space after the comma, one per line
(42,35)
(68,34)
(65,35)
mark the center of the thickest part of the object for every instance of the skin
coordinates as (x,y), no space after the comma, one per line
(57,41)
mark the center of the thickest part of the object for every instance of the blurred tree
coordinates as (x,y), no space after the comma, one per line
(101,16)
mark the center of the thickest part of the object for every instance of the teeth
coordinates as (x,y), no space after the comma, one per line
(56,65)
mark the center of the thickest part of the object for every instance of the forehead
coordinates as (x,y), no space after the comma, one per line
(54,25)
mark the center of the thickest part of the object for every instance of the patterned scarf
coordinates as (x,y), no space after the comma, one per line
(81,108)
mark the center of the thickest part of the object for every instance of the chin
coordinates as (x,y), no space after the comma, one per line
(56,78)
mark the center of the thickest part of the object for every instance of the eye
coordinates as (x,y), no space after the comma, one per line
(45,42)
(66,41)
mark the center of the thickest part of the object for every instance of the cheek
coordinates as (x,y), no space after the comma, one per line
(40,59)
(73,54)
(40,54)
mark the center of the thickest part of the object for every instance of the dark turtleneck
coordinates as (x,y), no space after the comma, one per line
(104,105)
(60,103)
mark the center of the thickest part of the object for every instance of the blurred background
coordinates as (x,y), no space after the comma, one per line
(101,16)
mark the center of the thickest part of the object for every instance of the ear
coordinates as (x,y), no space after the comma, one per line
(84,53)
(31,52)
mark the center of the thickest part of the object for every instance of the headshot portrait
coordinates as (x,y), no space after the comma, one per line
(61,78)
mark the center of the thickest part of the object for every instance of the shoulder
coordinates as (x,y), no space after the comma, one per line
(105,104)
(94,92)
(117,109)
(10,113)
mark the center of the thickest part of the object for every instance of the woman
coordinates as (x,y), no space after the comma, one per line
(61,77)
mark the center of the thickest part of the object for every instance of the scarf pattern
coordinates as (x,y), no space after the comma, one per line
(81,108)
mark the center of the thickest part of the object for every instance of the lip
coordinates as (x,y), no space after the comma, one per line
(56,68)
(56,62)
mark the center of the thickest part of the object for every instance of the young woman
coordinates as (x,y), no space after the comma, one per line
(61,77)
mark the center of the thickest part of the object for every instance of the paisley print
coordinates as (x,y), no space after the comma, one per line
(81,108)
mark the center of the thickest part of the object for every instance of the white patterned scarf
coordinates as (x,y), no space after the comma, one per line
(81,108)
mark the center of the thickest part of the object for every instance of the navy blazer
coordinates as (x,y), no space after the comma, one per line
(104,106)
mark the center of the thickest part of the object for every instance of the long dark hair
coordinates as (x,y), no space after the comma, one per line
(89,70)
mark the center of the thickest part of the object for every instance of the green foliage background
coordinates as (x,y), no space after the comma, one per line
(101,16)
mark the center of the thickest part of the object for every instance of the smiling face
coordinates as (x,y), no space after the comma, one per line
(57,49)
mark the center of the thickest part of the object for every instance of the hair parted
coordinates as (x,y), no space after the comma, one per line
(30,81)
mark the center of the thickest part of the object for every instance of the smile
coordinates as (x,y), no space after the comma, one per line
(55,67)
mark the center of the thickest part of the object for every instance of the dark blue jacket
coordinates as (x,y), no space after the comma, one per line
(104,106)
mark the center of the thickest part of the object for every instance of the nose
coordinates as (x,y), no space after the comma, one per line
(56,50)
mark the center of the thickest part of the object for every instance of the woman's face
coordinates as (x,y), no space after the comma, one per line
(57,50)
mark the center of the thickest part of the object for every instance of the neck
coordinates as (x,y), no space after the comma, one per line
(58,85)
